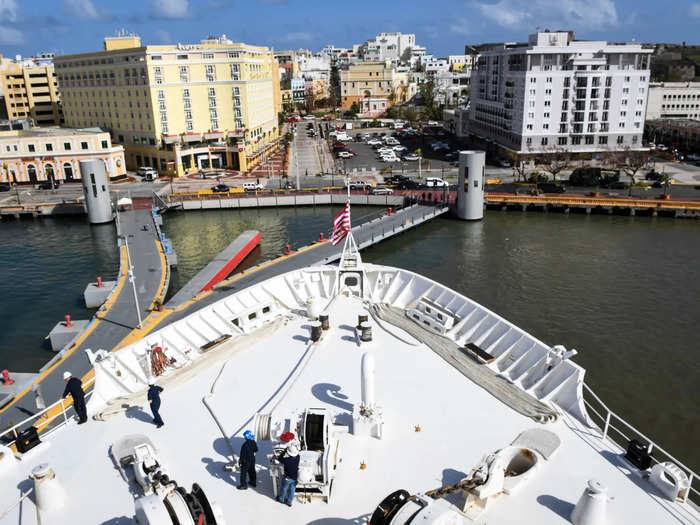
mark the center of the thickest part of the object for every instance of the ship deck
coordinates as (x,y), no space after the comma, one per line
(459,421)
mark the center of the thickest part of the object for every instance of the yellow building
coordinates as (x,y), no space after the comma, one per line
(177,108)
(374,86)
(31,91)
(40,154)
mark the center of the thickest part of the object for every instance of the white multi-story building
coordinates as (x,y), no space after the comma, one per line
(452,87)
(459,62)
(388,46)
(554,92)
(436,66)
(674,100)
(316,67)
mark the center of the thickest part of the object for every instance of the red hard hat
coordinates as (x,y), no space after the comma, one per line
(287,437)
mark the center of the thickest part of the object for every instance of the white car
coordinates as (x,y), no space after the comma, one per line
(374,142)
(411,157)
(434,182)
(400,148)
(344,155)
(385,151)
(252,186)
(662,147)
(309,117)
(389,158)
(382,191)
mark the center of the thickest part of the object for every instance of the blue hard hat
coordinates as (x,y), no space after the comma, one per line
(248,434)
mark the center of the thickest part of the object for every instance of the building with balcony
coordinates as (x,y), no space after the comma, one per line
(31,91)
(395,47)
(177,108)
(52,153)
(374,87)
(555,92)
(674,100)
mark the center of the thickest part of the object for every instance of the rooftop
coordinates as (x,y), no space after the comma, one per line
(53,131)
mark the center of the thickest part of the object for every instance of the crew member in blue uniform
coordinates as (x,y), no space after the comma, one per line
(154,399)
(75,388)
(246,460)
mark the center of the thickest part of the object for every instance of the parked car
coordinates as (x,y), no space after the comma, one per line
(48,185)
(395,179)
(380,190)
(435,182)
(452,155)
(309,117)
(389,158)
(359,185)
(5,187)
(220,188)
(408,185)
(328,117)
(411,157)
(400,149)
(292,118)
(551,187)
(504,163)
(374,142)
(344,154)
(252,186)
(147,173)
(662,147)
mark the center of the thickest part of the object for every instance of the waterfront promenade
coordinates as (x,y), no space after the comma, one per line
(115,320)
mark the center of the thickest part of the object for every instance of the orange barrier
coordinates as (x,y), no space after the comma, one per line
(592,201)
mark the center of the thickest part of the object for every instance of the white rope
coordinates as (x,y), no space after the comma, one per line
(508,393)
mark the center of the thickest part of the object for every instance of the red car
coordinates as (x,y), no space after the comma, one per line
(292,119)
(328,117)
(339,144)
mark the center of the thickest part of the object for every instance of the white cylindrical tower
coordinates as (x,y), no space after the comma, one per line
(96,190)
(367,379)
(470,186)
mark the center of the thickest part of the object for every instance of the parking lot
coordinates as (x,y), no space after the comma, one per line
(367,159)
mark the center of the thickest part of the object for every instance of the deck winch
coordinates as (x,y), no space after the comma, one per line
(319,456)
(163,501)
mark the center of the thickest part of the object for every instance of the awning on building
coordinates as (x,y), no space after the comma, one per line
(192,137)
(171,139)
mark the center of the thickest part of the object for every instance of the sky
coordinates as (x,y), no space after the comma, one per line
(29,27)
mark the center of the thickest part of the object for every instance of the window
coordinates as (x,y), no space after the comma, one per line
(31,148)
(623,113)
(589,139)
(562,141)
(545,141)
(66,146)
(184,74)
(547,91)
(576,140)
(533,92)
(546,115)
(547,103)
(207,56)
(233,54)
(182,57)
(627,79)
(620,139)
(528,141)
(236,91)
(211,75)
(625,91)
(531,114)
(235,72)
(529,127)
(83,145)
(104,144)
(623,102)
(602,140)
(621,125)
(564,117)
(48,146)
(533,80)
(158,73)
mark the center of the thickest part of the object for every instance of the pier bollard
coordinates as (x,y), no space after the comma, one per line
(320,236)
(391,212)
(68,323)
(99,282)
(287,249)
(6,378)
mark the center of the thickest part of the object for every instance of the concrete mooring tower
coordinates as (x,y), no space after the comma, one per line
(470,186)
(96,189)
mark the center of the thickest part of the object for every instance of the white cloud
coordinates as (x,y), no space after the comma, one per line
(695,10)
(170,8)
(8,13)
(552,14)
(82,9)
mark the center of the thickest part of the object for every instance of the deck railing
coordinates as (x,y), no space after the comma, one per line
(52,415)
(618,431)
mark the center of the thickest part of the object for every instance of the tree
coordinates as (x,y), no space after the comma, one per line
(410,115)
(432,110)
(354,108)
(630,161)
(520,165)
(556,160)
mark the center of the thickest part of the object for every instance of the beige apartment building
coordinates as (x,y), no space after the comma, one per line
(41,154)
(31,92)
(374,86)
(177,108)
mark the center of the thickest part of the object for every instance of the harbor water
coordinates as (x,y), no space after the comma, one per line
(623,291)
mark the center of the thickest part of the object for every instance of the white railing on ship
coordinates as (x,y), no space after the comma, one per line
(611,417)
(14,430)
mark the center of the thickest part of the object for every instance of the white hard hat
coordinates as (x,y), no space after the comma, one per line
(292,449)
(67,375)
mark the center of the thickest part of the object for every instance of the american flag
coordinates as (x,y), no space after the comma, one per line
(341,225)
